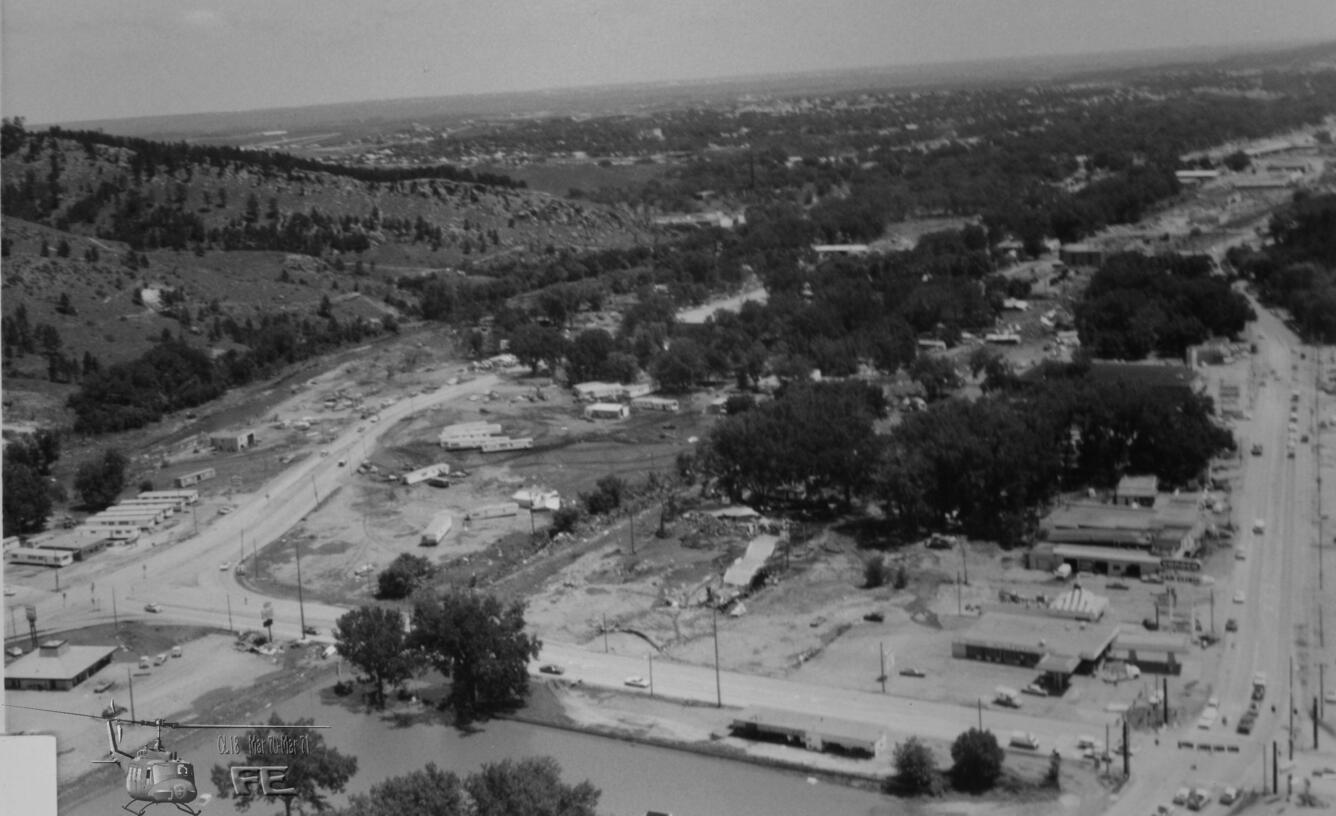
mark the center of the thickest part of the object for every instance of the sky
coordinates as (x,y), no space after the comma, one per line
(79,60)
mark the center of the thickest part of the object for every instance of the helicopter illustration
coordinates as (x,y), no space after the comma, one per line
(155,775)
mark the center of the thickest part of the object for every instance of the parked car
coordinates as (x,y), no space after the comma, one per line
(1231,625)
(551,668)
(1181,797)
(636,681)
(1229,796)
(14,651)
(103,685)
(160,659)
(225,566)
(310,630)
(1240,597)
(874,617)
(913,672)
(153,607)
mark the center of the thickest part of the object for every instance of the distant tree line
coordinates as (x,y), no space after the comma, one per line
(28,487)
(173,375)
(1137,305)
(1297,270)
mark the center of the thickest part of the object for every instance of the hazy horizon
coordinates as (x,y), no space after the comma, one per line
(87,60)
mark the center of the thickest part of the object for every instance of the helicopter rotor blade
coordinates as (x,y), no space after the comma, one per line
(158,723)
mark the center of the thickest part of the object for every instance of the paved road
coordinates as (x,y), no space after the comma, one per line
(900,716)
(185,578)
(1278,579)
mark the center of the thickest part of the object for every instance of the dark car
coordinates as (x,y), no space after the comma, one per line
(551,668)
(1231,625)
(874,617)
(912,672)
(1150,624)
(310,630)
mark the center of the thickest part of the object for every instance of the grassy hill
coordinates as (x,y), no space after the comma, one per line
(109,245)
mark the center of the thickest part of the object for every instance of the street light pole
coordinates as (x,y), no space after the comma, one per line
(718,688)
(301,608)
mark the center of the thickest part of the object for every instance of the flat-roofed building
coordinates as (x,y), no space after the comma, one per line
(812,732)
(57,666)
(1158,652)
(232,441)
(1021,639)
(1139,491)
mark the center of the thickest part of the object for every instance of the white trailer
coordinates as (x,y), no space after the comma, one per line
(423,474)
(466,442)
(436,531)
(494,511)
(505,443)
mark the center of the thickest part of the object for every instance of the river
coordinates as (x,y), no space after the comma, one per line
(634,778)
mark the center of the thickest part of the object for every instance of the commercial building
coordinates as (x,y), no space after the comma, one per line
(1157,652)
(81,551)
(812,732)
(1056,647)
(233,441)
(606,392)
(57,666)
(1137,491)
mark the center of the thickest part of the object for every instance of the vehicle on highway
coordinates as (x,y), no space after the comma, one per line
(551,668)
(1231,625)
(176,651)
(636,681)
(1259,526)
(1024,739)
(145,662)
(1259,686)
(913,672)
(153,607)
(1240,555)
(160,659)
(1008,697)
(1257,449)
(1240,597)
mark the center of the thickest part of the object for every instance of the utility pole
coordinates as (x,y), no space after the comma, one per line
(1275,767)
(229,613)
(314,490)
(631,517)
(1127,749)
(882,646)
(651,673)
(718,687)
(1315,718)
(1213,611)
(301,607)
(130,679)
(605,633)
(964,567)
(979,704)
(1290,703)
(1164,700)
(959,608)
(115,621)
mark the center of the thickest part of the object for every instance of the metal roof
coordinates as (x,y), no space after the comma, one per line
(70,663)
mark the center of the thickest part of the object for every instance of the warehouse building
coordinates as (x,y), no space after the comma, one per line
(1137,491)
(607,410)
(195,477)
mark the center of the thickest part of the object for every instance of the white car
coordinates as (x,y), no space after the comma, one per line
(1239,597)
(636,681)
(225,566)
(1259,526)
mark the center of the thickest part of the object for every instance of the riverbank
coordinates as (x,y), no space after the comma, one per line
(703,730)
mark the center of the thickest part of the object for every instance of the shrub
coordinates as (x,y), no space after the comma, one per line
(874,573)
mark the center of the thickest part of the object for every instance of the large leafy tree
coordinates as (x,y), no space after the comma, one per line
(529,787)
(915,767)
(977,760)
(373,639)
(428,791)
(315,772)
(480,645)
(100,480)
(27,499)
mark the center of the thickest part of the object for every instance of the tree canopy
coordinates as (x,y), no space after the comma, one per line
(314,773)
(373,639)
(480,645)
(100,481)
(977,760)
